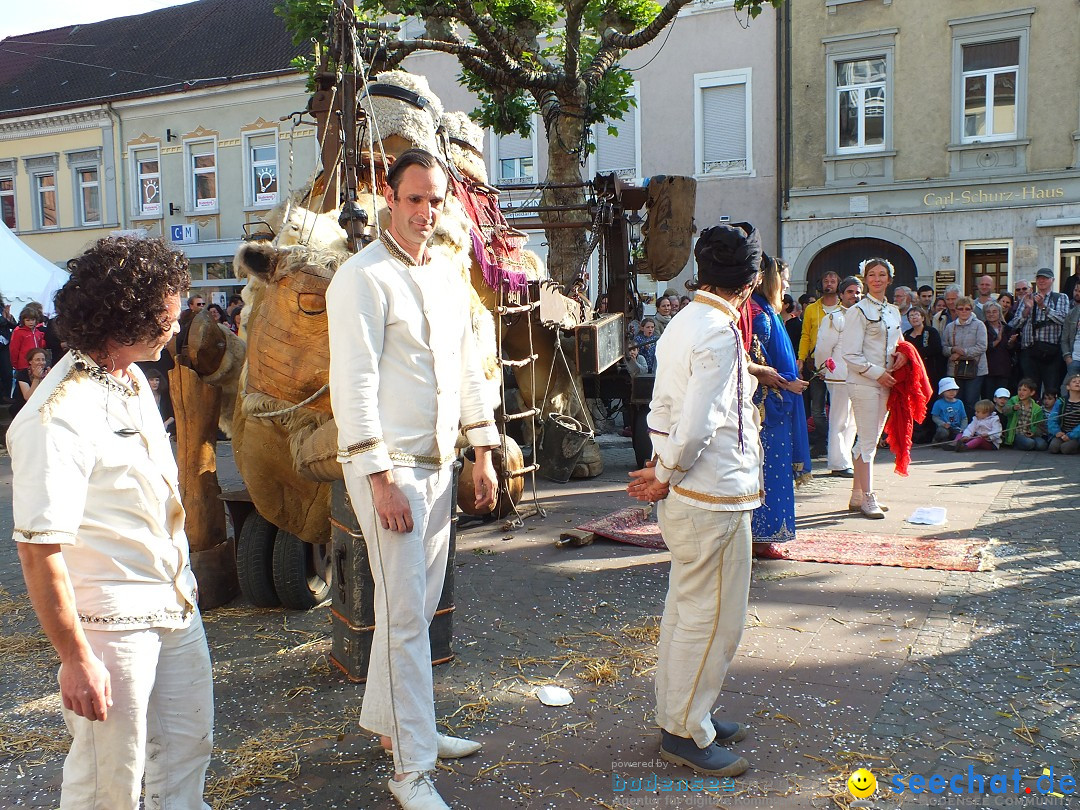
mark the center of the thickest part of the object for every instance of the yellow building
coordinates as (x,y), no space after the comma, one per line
(58,179)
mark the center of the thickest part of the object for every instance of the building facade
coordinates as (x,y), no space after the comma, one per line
(942,136)
(164,124)
(202,168)
(59,179)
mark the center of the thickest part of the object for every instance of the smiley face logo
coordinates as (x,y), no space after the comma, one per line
(861,783)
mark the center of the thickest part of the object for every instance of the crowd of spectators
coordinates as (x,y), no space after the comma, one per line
(30,346)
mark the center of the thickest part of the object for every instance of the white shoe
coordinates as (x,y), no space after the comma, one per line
(417,792)
(453,747)
(856,506)
(457,747)
(870,507)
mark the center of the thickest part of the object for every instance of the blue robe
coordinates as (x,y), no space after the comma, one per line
(784,439)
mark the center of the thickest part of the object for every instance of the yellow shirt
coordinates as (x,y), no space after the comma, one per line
(811,320)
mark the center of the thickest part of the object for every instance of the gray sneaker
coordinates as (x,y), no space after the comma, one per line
(712,760)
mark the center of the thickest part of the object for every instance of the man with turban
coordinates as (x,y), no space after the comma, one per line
(706,475)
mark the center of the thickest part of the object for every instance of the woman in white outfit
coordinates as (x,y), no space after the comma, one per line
(871,333)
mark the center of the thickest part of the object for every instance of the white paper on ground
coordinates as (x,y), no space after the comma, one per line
(554,696)
(928,516)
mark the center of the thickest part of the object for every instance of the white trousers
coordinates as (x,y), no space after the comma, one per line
(704,613)
(870,406)
(161,723)
(841,427)
(408,569)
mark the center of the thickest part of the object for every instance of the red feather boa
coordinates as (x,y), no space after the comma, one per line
(907,404)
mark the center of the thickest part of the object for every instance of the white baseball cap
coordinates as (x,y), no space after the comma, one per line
(947,384)
(1002,392)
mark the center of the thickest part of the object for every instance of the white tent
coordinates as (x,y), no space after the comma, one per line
(26,276)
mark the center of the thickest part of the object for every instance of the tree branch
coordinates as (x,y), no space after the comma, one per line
(615,43)
(627,42)
(573,39)
(489,33)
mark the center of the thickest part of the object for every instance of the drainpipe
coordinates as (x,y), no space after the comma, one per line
(783,112)
(120,166)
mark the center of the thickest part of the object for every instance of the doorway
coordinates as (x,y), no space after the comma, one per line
(986,261)
(845,256)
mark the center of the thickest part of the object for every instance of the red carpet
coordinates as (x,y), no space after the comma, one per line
(813,545)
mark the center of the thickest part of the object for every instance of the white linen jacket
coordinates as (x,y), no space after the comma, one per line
(702,419)
(871,332)
(828,345)
(110,501)
(404,368)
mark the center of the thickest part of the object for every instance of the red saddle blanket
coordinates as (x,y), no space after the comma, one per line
(497,246)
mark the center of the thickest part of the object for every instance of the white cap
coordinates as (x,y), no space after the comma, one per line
(947,384)
(1002,392)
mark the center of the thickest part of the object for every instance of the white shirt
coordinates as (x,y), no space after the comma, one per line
(828,344)
(702,419)
(871,332)
(404,368)
(111,502)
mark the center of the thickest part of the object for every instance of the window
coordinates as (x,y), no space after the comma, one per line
(515,160)
(148,182)
(45,196)
(860,103)
(722,123)
(89,196)
(262,168)
(619,152)
(989,91)
(201,175)
(7,201)
(991,72)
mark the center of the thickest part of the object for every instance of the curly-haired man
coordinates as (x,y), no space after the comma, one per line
(100,531)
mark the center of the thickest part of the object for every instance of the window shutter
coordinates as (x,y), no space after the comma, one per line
(514,146)
(724,126)
(618,154)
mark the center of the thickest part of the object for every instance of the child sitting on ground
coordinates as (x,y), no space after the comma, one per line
(1049,399)
(984,431)
(1001,401)
(1025,419)
(1064,421)
(948,412)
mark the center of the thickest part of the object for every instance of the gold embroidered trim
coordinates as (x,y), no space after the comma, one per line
(360,447)
(396,251)
(147,618)
(701,299)
(29,534)
(660,461)
(475,425)
(706,498)
(410,458)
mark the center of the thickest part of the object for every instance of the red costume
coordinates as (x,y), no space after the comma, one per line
(907,404)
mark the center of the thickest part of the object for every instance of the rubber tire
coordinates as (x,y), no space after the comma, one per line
(643,449)
(298,584)
(255,561)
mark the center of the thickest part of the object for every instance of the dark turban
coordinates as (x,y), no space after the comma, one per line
(728,256)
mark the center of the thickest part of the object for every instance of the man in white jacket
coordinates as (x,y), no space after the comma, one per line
(707,478)
(404,376)
(841,421)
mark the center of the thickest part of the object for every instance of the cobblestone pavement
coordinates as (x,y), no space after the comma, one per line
(904,671)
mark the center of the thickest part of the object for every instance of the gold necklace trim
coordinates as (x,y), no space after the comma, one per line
(396,250)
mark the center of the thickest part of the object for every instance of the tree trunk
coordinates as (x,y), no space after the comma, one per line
(566,246)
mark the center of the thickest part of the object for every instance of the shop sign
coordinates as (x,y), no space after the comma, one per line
(992,196)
